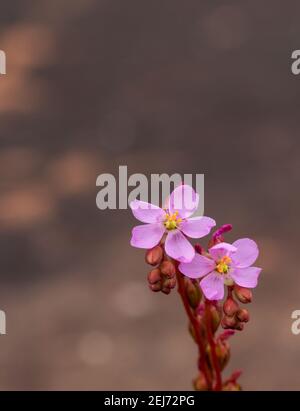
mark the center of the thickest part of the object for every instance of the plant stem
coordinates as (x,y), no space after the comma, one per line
(196,326)
(212,343)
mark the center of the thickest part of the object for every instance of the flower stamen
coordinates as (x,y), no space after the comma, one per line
(172,221)
(223,265)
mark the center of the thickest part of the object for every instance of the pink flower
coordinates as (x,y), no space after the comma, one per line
(227,264)
(173,221)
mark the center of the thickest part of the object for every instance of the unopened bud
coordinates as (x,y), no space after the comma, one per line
(192,332)
(166,290)
(226,335)
(193,293)
(154,256)
(231,386)
(216,317)
(229,322)
(223,354)
(230,307)
(200,383)
(223,229)
(154,276)
(155,287)
(168,269)
(239,326)
(244,295)
(170,283)
(243,315)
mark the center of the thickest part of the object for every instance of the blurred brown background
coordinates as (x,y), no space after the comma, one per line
(161,86)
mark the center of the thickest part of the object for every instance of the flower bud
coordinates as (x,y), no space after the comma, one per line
(168,269)
(154,256)
(230,307)
(155,287)
(239,326)
(154,276)
(229,322)
(193,293)
(226,335)
(216,317)
(243,315)
(231,386)
(244,295)
(192,332)
(200,383)
(218,235)
(166,290)
(223,354)
(200,310)
(169,283)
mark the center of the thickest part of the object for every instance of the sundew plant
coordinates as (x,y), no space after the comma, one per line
(212,281)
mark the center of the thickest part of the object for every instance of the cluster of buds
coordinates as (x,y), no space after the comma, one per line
(163,277)
(234,316)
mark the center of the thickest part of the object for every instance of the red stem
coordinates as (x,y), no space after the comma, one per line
(212,343)
(202,363)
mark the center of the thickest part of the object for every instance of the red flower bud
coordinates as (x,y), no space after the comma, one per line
(154,256)
(219,233)
(244,295)
(154,276)
(155,287)
(230,307)
(239,326)
(223,354)
(200,383)
(226,335)
(229,322)
(216,316)
(193,293)
(231,386)
(243,315)
(168,269)
(169,283)
(166,290)
(192,332)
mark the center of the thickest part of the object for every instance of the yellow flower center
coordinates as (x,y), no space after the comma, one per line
(223,265)
(172,220)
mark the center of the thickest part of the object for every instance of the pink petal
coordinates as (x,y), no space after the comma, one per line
(220,250)
(184,200)
(146,212)
(197,227)
(198,267)
(245,277)
(213,286)
(246,254)
(147,235)
(178,247)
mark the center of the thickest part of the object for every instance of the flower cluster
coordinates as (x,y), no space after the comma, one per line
(202,275)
